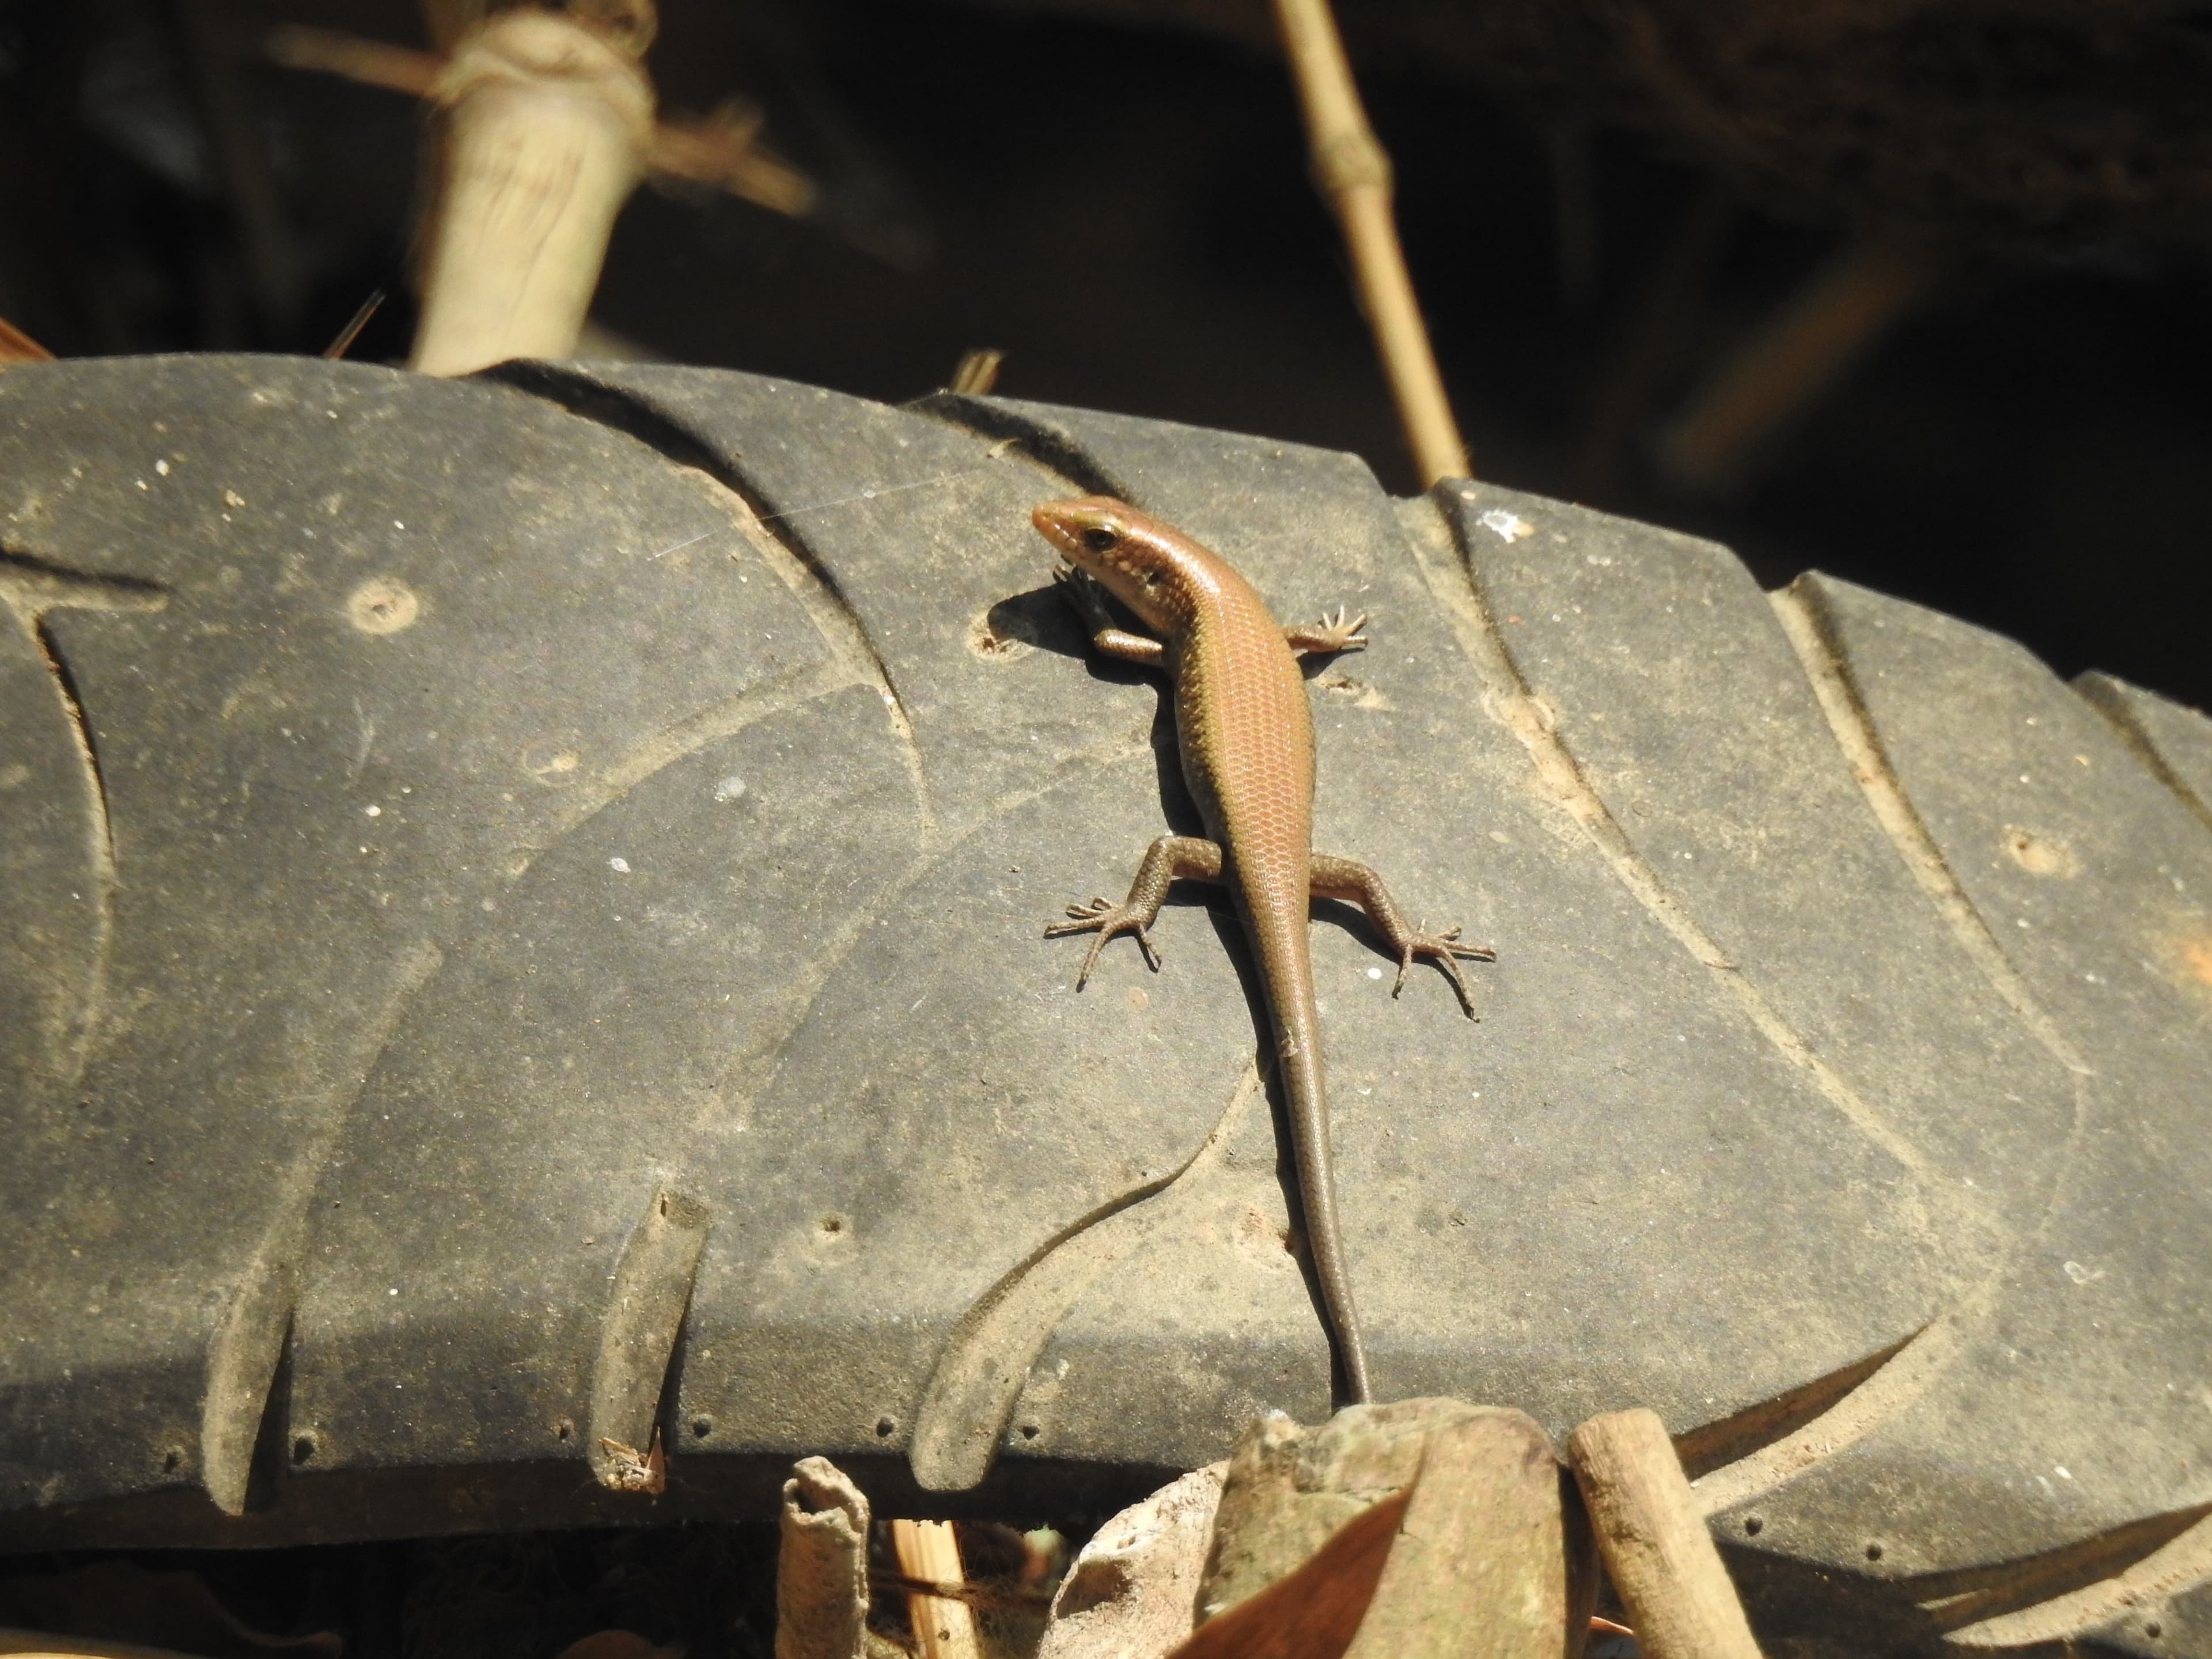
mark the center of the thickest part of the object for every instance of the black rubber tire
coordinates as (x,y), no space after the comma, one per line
(520,912)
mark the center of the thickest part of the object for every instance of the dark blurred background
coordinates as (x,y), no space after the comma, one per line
(1989,220)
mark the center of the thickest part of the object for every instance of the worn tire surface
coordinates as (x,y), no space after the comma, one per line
(520,912)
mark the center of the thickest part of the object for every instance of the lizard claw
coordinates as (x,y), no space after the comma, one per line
(1105,920)
(1342,631)
(1445,950)
(1081,590)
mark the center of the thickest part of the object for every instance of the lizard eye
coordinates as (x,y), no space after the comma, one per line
(1100,541)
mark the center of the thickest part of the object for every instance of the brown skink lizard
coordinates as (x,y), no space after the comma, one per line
(1246,734)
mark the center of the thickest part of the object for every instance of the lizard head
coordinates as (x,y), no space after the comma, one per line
(1148,567)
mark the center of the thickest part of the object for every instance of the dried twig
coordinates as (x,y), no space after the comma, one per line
(17,347)
(1657,1549)
(346,336)
(977,373)
(372,63)
(1354,174)
(721,150)
(988,1597)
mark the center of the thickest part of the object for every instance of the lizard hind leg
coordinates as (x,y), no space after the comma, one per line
(1167,861)
(1328,637)
(1354,881)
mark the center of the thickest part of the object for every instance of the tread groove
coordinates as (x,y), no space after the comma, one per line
(2168,1555)
(1811,633)
(31,587)
(984,1365)
(2103,694)
(1713,1447)
(810,581)
(673,742)
(246,1353)
(1055,452)
(1513,704)
(1909,1373)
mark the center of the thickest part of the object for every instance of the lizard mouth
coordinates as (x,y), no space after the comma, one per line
(1078,528)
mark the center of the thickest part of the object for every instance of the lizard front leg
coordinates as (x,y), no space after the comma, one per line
(1107,637)
(1168,860)
(1354,881)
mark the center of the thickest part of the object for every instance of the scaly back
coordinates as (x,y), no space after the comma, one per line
(1245,727)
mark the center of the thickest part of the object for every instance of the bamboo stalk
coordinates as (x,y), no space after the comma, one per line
(927,1550)
(1354,171)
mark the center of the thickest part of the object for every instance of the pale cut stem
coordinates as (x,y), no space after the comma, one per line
(821,1566)
(1354,173)
(545,130)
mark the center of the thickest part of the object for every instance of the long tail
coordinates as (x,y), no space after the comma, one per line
(1286,967)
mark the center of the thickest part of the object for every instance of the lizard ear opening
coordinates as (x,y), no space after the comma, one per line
(1099,540)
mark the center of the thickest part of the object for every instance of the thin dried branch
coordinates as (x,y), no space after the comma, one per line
(17,347)
(1353,173)
(338,347)
(1654,1541)
(722,150)
(977,372)
(988,1597)
(372,63)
